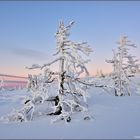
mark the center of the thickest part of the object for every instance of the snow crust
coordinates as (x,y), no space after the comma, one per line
(113,118)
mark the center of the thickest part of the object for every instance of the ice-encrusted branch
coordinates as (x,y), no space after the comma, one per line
(36,66)
(48,64)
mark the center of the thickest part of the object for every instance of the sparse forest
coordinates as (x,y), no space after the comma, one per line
(69,95)
(70,88)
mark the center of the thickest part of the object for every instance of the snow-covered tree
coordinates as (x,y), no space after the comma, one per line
(138,88)
(2,84)
(97,73)
(101,74)
(71,90)
(125,66)
(71,96)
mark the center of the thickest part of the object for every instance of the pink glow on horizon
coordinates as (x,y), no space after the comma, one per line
(23,82)
(92,70)
(14,85)
(12,81)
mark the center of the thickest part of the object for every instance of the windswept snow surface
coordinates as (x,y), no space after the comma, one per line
(113,118)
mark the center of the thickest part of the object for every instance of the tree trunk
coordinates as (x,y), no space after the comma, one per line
(60,88)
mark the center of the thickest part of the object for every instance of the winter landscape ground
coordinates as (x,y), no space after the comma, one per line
(113,118)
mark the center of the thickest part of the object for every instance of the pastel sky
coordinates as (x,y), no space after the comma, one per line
(27,30)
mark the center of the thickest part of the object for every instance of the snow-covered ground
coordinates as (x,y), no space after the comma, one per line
(113,118)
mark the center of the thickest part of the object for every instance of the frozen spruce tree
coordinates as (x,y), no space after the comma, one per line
(1,85)
(125,66)
(71,95)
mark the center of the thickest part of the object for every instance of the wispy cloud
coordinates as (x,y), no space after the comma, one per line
(13,76)
(29,53)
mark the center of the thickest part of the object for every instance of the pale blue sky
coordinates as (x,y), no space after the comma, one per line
(27,30)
